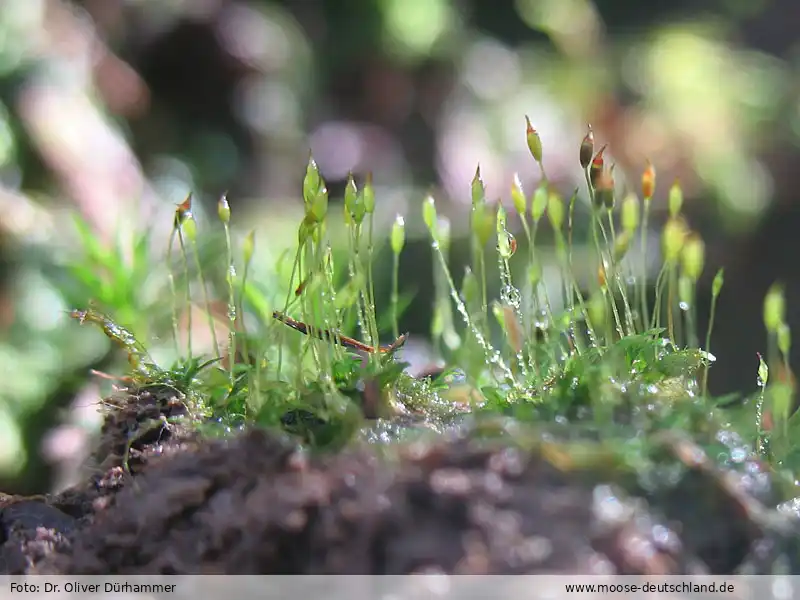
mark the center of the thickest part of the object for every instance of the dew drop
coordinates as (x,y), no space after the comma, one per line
(512,243)
(510,296)
(738,455)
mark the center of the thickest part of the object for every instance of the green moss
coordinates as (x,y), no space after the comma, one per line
(581,360)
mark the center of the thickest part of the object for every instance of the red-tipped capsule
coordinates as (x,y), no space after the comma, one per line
(596,168)
(183,211)
(534,141)
(648,181)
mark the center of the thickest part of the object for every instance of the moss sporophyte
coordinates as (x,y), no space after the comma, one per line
(551,341)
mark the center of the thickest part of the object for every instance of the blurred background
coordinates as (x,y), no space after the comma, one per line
(116,109)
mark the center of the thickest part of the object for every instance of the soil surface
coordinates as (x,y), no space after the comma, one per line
(256,503)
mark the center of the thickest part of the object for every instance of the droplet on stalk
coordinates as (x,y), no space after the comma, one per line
(506,244)
(504,238)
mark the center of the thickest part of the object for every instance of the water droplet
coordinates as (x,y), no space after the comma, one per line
(510,296)
(665,538)
(684,306)
(738,455)
(542,321)
(607,507)
(512,243)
